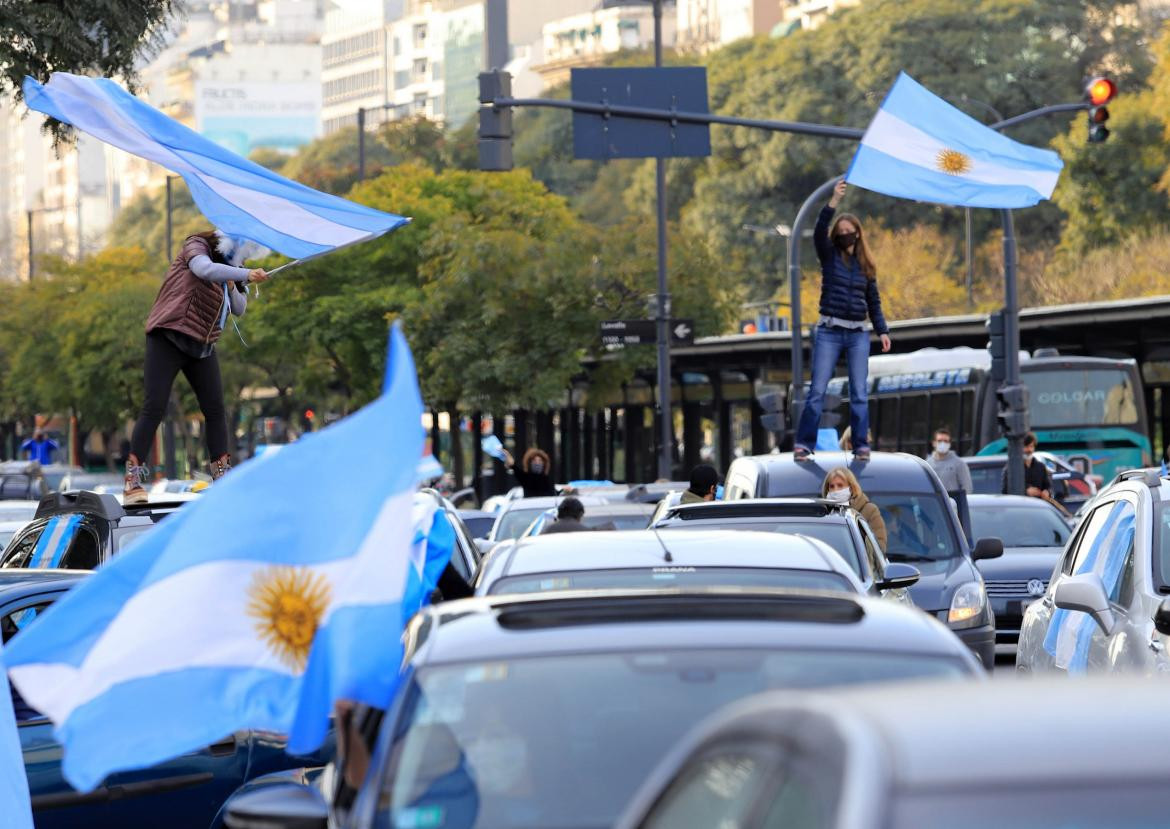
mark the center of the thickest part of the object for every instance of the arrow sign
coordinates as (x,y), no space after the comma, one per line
(683,332)
(644,332)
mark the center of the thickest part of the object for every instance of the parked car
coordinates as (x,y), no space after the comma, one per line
(1019,755)
(54,473)
(21,480)
(8,529)
(1034,534)
(922,528)
(1071,487)
(547,710)
(18,510)
(614,515)
(838,526)
(672,558)
(1106,608)
(80,530)
(184,793)
(516,515)
(458,577)
(478,522)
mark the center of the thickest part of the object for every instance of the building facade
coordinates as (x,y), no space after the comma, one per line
(808,14)
(586,39)
(704,25)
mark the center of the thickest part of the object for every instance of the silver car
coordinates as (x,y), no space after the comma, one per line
(1105,608)
(1042,755)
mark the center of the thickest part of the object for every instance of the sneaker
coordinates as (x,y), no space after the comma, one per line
(220,466)
(801,453)
(132,489)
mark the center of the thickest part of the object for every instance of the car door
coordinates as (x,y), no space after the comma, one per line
(1075,642)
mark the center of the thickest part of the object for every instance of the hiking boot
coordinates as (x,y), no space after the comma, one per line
(132,489)
(220,466)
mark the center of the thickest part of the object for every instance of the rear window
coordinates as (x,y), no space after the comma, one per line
(667,576)
(834,533)
(987,479)
(514,522)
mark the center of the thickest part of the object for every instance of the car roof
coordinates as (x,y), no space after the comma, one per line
(746,508)
(16,582)
(991,501)
(636,549)
(883,472)
(495,627)
(1041,729)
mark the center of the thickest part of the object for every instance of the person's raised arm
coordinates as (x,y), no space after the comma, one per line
(821,229)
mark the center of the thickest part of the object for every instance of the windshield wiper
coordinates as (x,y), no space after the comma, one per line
(907,557)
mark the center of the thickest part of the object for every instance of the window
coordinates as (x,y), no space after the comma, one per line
(82,553)
(966,429)
(717,789)
(419,69)
(1122,593)
(944,412)
(420,35)
(915,431)
(20,553)
(872,552)
(1076,554)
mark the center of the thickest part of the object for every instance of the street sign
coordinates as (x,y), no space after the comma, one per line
(603,136)
(643,332)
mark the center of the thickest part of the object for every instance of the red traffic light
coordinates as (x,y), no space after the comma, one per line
(309,414)
(1100,91)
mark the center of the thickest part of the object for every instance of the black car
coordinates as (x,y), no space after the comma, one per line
(837,525)
(922,528)
(548,710)
(1034,534)
(80,530)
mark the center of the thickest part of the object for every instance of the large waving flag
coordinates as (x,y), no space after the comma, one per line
(285,587)
(14,800)
(239,197)
(920,147)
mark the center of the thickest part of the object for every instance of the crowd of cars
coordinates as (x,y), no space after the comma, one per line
(755,661)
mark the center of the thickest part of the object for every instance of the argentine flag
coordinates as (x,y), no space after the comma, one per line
(238,196)
(15,804)
(920,147)
(285,587)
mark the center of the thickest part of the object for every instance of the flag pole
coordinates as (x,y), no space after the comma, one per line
(311,257)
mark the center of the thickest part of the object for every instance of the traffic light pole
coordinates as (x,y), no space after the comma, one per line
(662,303)
(1011,324)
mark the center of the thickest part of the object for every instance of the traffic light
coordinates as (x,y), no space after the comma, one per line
(1099,92)
(1013,410)
(997,346)
(495,123)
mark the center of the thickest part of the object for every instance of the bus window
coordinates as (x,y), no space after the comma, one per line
(884,423)
(944,413)
(965,429)
(915,432)
(1082,397)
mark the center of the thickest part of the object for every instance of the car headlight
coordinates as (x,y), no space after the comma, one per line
(968,603)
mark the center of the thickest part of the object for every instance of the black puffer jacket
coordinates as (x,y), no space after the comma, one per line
(846,292)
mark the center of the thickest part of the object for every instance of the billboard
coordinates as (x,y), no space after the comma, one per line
(246,115)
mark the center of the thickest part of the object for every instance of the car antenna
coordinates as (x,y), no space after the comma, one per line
(666,553)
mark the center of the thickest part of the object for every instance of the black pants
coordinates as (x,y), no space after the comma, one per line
(163,362)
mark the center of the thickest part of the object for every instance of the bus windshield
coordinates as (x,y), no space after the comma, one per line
(1082,397)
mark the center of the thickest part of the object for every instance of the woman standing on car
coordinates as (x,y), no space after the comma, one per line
(849,293)
(203,285)
(841,485)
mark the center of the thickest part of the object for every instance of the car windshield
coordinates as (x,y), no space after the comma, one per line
(1037,526)
(563,741)
(916,527)
(514,522)
(1162,544)
(1081,397)
(667,576)
(601,520)
(834,533)
(1122,805)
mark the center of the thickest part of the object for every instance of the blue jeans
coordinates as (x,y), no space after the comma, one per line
(828,345)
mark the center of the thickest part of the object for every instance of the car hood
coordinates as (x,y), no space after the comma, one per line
(938,581)
(1021,563)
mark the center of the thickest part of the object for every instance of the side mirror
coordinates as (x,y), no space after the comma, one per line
(279,806)
(990,547)
(898,575)
(1086,594)
(483,545)
(1162,618)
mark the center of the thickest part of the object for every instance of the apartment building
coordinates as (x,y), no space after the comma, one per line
(586,39)
(704,25)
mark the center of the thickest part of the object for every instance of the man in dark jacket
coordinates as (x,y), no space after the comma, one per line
(1037,481)
(569,515)
(704,482)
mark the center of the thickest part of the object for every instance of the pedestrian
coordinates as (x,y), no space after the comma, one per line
(841,485)
(40,448)
(950,468)
(569,514)
(1037,481)
(849,293)
(534,474)
(203,285)
(704,482)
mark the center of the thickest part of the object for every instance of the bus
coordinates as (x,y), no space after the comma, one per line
(1090,406)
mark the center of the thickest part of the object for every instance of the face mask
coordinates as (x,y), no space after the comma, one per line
(942,447)
(841,496)
(536,467)
(845,241)
(1027,456)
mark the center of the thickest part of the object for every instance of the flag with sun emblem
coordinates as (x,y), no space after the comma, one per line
(283,588)
(920,147)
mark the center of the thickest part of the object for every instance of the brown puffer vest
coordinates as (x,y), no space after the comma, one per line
(186,303)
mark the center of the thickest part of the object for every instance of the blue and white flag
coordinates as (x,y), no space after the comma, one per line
(238,196)
(920,147)
(285,587)
(14,800)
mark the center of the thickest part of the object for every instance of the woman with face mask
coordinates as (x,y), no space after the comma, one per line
(849,294)
(841,485)
(204,284)
(534,473)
